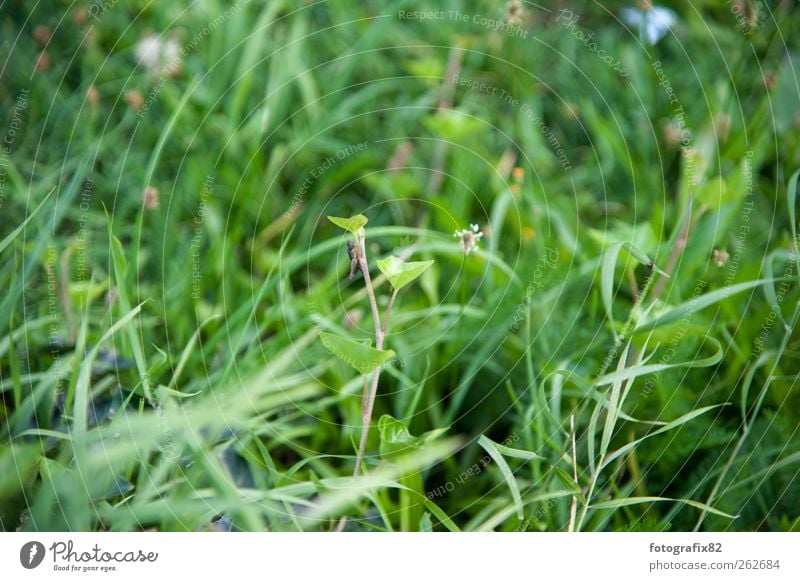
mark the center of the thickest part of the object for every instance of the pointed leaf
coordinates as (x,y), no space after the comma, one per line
(359,356)
(516,452)
(401,273)
(698,303)
(10,238)
(508,475)
(642,499)
(666,428)
(352,224)
(395,437)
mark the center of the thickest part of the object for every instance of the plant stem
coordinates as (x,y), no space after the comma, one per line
(573,508)
(376,317)
(366,411)
(388,312)
(368,402)
(677,250)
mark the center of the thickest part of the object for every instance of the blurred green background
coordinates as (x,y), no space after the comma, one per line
(166,170)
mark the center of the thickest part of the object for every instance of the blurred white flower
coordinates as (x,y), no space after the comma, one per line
(159,56)
(469,238)
(653,22)
(720,258)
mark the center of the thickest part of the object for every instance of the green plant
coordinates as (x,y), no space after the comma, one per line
(364,358)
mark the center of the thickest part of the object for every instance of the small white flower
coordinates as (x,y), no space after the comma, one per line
(148,51)
(653,22)
(159,56)
(469,238)
(720,258)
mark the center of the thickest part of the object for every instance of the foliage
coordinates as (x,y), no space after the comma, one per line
(174,304)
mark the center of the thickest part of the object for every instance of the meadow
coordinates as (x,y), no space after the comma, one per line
(593,216)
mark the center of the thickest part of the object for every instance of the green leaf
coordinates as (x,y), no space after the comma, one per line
(401,273)
(642,499)
(572,486)
(352,224)
(791,200)
(441,515)
(608,264)
(666,428)
(359,356)
(82,390)
(395,437)
(494,452)
(18,465)
(14,233)
(629,373)
(697,303)
(516,452)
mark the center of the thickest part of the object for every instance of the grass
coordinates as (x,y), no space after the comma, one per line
(593,366)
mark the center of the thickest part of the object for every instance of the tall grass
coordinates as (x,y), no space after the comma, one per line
(590,367)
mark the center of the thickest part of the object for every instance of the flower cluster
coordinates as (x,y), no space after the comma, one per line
(159,56)
(469,238)
(653,22)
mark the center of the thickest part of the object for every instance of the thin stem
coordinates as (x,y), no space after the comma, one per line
(388,312)
(677,250)
(365,393)
(368,400)
(634,286)
(588,500)
(574,507)
(362,263)
(366,419)
(748,425)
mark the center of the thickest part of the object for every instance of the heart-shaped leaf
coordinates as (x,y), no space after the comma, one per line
(352,224)
(401,273)
(396,439)
(359,356)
